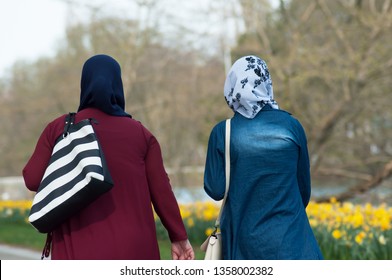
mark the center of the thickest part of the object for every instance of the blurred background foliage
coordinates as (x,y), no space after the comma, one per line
(330,62)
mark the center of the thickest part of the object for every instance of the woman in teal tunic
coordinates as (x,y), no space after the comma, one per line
(264,216)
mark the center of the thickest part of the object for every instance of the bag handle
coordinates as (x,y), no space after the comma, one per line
(227,170)
(69,120)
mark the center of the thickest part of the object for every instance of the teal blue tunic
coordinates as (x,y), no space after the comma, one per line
(264,216)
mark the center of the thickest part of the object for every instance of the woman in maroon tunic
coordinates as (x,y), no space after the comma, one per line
(119,224)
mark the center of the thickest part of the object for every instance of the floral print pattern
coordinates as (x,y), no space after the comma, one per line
(248,86)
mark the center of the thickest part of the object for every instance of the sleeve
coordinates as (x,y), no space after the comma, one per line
(303,170)
(214,172)
(36,166)
(162,196)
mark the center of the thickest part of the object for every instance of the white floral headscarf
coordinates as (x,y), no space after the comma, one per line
(248,86)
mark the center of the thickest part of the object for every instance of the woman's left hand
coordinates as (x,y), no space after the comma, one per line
(182,250)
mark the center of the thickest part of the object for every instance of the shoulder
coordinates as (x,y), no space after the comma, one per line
(219,128)
(283,112)
(217,135)
(295,121)
(289,117)
(288,120)
(135,128)
(54,128)
(295,126)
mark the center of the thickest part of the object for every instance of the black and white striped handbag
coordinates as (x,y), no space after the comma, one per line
(77,174)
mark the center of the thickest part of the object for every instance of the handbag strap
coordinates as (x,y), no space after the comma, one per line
(227,170)
(69,120)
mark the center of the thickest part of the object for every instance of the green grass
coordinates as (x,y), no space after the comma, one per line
(21,234)
(165,249)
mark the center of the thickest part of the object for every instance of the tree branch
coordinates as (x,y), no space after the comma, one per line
(344,173)
(360,188)
(339,33)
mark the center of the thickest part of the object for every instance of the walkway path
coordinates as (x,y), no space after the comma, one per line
(8,252)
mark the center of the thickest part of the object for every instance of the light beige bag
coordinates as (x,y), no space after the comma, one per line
(213,244)
(213,247)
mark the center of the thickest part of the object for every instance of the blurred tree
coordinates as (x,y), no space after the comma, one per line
(331,68)
(167,88)
(330,63)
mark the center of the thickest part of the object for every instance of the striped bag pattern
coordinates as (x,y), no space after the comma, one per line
(76,175)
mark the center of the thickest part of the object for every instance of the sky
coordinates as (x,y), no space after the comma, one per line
(29,28)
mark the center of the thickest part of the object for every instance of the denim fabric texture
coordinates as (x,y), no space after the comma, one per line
(264,216)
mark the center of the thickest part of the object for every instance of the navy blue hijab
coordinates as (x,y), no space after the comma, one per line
(101,86)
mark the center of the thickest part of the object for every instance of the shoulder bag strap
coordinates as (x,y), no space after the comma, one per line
(227,170)
(69,121)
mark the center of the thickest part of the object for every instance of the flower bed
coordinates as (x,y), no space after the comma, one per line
(343,230)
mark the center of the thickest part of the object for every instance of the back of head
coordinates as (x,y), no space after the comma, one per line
(248,86)
(101,86)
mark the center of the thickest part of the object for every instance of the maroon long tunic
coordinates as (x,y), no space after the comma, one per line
(120,224)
